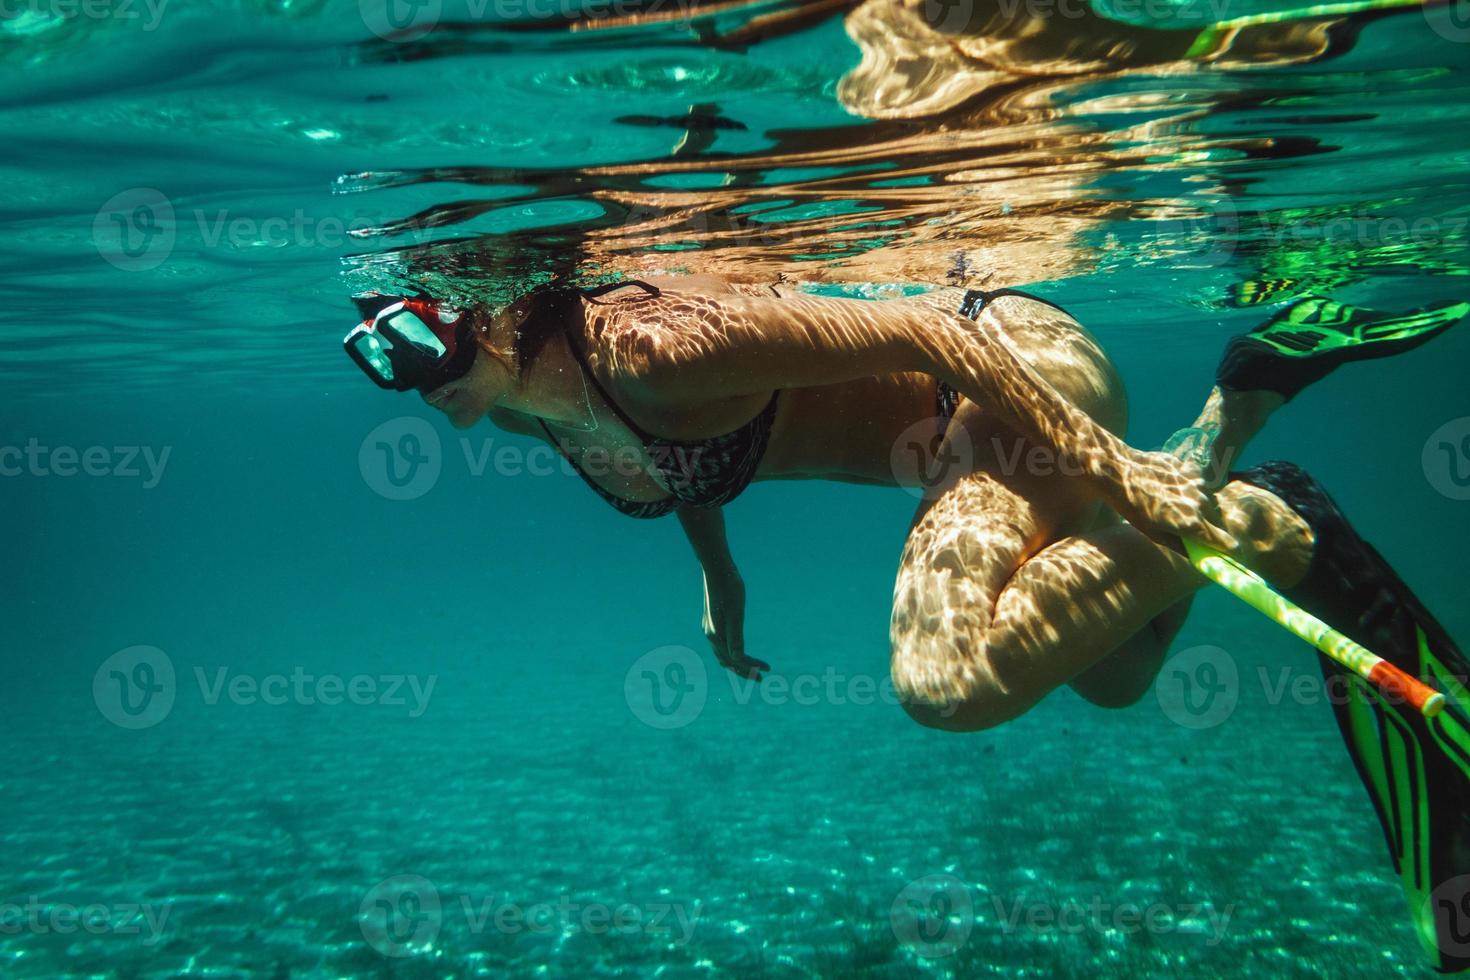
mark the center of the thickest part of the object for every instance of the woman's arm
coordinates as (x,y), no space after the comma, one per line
(724,590)
(705,528)
(698,347)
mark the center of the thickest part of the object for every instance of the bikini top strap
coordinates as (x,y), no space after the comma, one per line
(597,291)
(581,356)
(977,299)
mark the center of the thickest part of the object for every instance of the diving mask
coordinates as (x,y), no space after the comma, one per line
(413,344)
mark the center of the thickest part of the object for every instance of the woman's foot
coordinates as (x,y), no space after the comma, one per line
(1229,420)
(1314,336)
(1262,370)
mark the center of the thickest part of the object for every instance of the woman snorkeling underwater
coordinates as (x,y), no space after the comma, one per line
(1015,579)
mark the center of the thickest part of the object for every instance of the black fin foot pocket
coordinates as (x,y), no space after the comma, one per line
(1416,770)
(1314,336)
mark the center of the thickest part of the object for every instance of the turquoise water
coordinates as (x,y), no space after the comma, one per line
(416,737)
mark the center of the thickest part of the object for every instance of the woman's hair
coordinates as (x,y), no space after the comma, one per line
(481,329)
(543,312)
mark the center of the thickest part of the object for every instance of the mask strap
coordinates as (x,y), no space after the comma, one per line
(592,294)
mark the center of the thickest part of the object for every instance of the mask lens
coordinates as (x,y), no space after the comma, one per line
(416,333)
(374,355)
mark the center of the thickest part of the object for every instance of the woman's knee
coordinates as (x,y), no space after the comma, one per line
(1123,677)
(1110,693)
(955,716)
(969,705)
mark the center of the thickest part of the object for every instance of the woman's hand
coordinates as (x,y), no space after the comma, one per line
(1166,497)
(724,623)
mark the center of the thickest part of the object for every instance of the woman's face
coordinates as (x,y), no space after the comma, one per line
(466,399)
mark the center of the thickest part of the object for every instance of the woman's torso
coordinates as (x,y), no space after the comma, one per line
(855,431)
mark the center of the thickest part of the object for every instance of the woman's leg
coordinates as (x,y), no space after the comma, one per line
(1228,421)
(995,605)
(1124,676)
(985,623)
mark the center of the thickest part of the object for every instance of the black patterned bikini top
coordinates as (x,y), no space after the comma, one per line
(712,472)
(702,472)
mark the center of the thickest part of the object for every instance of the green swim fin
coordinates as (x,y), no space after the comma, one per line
(1313,337)
(1257,292)
(1416,770)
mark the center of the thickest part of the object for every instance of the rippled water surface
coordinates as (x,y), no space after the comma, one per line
(191,193)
